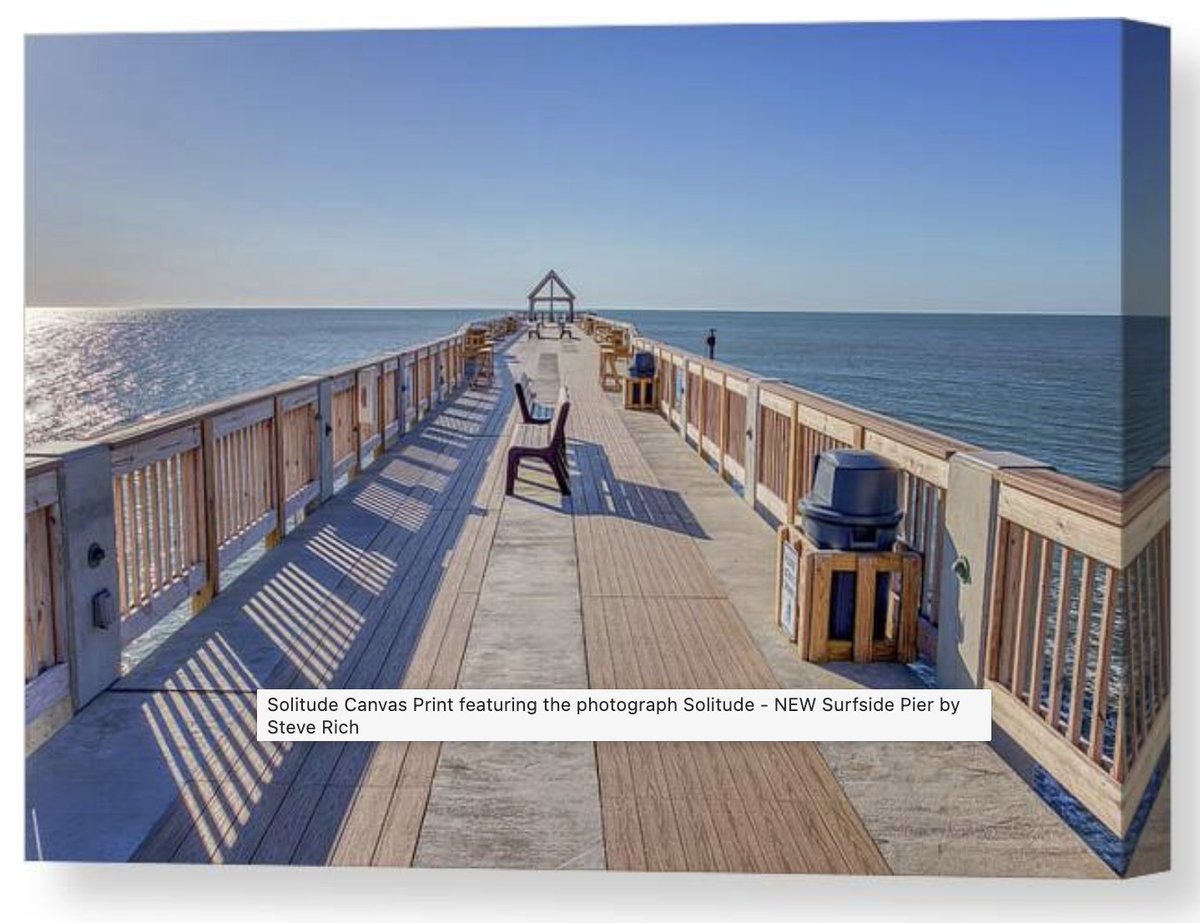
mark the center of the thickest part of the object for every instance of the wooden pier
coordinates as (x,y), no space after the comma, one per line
(395,559)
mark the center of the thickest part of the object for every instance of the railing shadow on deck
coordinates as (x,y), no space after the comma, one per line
(363,633)
(596,490)
(341,602)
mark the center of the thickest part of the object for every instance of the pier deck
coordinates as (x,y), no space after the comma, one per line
(421,573)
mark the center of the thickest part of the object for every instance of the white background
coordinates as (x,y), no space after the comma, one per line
(170,895)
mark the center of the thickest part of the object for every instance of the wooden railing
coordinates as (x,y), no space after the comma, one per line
(1077,613)
(159,518)
(299,450)
(196,489)
(792,427)
(1078,653)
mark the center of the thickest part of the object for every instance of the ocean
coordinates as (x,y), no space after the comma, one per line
(1088,395)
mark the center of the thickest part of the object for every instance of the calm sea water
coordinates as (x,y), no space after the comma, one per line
(1086,394)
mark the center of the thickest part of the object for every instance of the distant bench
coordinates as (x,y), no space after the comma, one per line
(544,441)
(564,330)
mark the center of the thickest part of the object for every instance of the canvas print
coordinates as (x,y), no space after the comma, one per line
(821,359)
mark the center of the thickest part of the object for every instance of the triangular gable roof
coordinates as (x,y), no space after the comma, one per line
(546,280)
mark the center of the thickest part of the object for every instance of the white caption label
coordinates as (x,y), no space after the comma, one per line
(624,714)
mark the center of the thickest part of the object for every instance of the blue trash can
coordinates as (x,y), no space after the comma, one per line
(642,365)
(853,506)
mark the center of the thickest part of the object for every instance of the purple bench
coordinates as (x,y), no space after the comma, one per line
(531,410)
(546,443)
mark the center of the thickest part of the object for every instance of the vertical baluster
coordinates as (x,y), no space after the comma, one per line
(1108,619)
(158,533)
(1000,566)
(181,563)
(237,457)
(253,475)
(147,541)
(1144,564)
(242,458)
(187,487)
(163,522)
(1120,760)
(1134,655)
(1061,620)
(1083,628)
(221,487)
(1039,625)
(121,542)
(246,478)
(227,487)
(262,471)
(1024,604)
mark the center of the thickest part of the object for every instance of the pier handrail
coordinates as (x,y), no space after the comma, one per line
(792,426)
(195,488)
(1078,641)
(1092,705)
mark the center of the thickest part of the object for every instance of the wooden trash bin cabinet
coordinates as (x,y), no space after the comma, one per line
(639,393)
(805,597)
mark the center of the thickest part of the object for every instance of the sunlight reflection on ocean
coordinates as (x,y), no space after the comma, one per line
(1049,387)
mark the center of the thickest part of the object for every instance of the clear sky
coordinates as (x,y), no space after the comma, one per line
(909,167)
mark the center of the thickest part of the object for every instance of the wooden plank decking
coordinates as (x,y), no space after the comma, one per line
(656,617)
(381,587)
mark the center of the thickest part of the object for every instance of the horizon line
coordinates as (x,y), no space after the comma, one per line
(1019,312)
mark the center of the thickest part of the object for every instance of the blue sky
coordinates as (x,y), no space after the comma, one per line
(904,167)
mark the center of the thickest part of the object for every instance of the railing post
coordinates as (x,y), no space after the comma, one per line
(381,407)
(275,536)
(325,437)
(792,481)
(401,397)
(750,455)
(416,386)
(968,551)
(723,419)
(208,503)
(684,398)
(356,416)
(89,565)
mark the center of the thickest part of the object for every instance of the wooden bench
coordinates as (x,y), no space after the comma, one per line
(531,411)
(544,443)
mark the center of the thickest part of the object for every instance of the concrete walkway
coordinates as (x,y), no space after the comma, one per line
(521,805)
